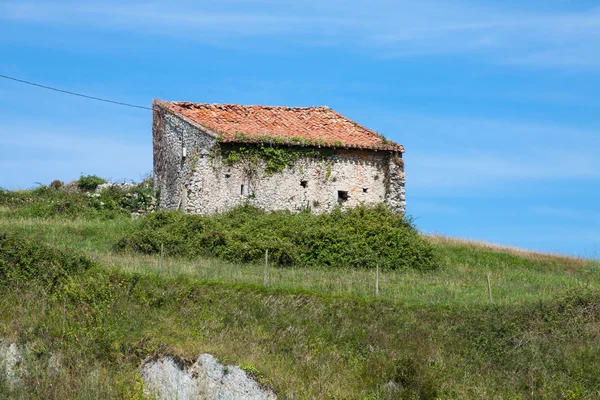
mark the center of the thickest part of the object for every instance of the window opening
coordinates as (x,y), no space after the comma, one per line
(342,195)
(304,183)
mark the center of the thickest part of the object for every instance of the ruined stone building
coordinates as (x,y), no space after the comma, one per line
(209,158)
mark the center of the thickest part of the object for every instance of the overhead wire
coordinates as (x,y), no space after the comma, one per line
(74,93)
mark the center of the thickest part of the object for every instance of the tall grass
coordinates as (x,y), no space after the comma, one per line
(516,278)
(103,322)
(313,332)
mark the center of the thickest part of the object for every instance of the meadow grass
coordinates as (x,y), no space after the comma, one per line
(312,332)
(516,276)
(104,322)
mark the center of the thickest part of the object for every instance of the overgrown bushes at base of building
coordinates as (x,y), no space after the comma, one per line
(362,237)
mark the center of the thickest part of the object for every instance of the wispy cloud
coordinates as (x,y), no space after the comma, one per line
(471,156)
(465,172)
(43,154)
(498,31)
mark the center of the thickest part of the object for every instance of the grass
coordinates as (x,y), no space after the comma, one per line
(313,332)
(517,276)
(547,260)
(304,345)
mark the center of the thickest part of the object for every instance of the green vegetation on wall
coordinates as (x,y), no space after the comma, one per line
(274,157)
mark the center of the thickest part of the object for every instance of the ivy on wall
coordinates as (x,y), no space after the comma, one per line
(275,158)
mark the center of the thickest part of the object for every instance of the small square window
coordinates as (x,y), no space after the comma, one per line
(343,195)
(304,183)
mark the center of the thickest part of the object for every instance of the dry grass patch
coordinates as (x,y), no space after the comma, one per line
(570,262)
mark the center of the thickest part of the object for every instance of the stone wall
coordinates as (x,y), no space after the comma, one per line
(171,135)
(203,182)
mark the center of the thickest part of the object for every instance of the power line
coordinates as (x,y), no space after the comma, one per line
(74,94)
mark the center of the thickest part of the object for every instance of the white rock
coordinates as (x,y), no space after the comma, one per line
(167,378)
(11,361)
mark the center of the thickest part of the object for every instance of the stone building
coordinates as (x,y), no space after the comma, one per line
(209,158)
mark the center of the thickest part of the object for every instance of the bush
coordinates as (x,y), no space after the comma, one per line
(362,237)
(46,202)
(24,259)
(56,184)
(90,182)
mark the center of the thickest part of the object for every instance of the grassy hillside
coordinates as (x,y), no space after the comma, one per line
(313,332)
(461,279)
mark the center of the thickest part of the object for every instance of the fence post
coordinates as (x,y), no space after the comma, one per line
(489,286)
(162,254)
(377,280)
(267,267)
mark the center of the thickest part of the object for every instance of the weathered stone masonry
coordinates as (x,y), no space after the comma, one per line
(192,173)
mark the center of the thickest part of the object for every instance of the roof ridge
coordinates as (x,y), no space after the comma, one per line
(191,103)
(317,125)
(371,131)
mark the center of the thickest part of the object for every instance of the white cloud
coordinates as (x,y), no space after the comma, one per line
(497,31)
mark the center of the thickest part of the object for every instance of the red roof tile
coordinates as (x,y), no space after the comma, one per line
(293,125)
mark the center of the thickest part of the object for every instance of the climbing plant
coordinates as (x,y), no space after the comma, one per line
(275,158)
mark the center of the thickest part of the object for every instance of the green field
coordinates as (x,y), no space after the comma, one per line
(312,332)
(516,277)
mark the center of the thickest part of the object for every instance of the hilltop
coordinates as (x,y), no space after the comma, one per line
(87,281)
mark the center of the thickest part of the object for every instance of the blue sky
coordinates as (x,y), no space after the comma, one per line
(496,102)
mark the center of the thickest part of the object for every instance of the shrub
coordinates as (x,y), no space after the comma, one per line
(45,202)
(56,184)
(90,182)
(24,259)
(362,237)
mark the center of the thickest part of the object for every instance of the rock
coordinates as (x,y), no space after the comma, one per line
(123,186)
(168,378)
(11,363)
(71,187)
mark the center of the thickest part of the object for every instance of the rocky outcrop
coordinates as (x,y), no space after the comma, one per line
(164,378)
(11,364)
(168,378)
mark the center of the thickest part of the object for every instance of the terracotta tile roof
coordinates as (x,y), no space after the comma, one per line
(291,125)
